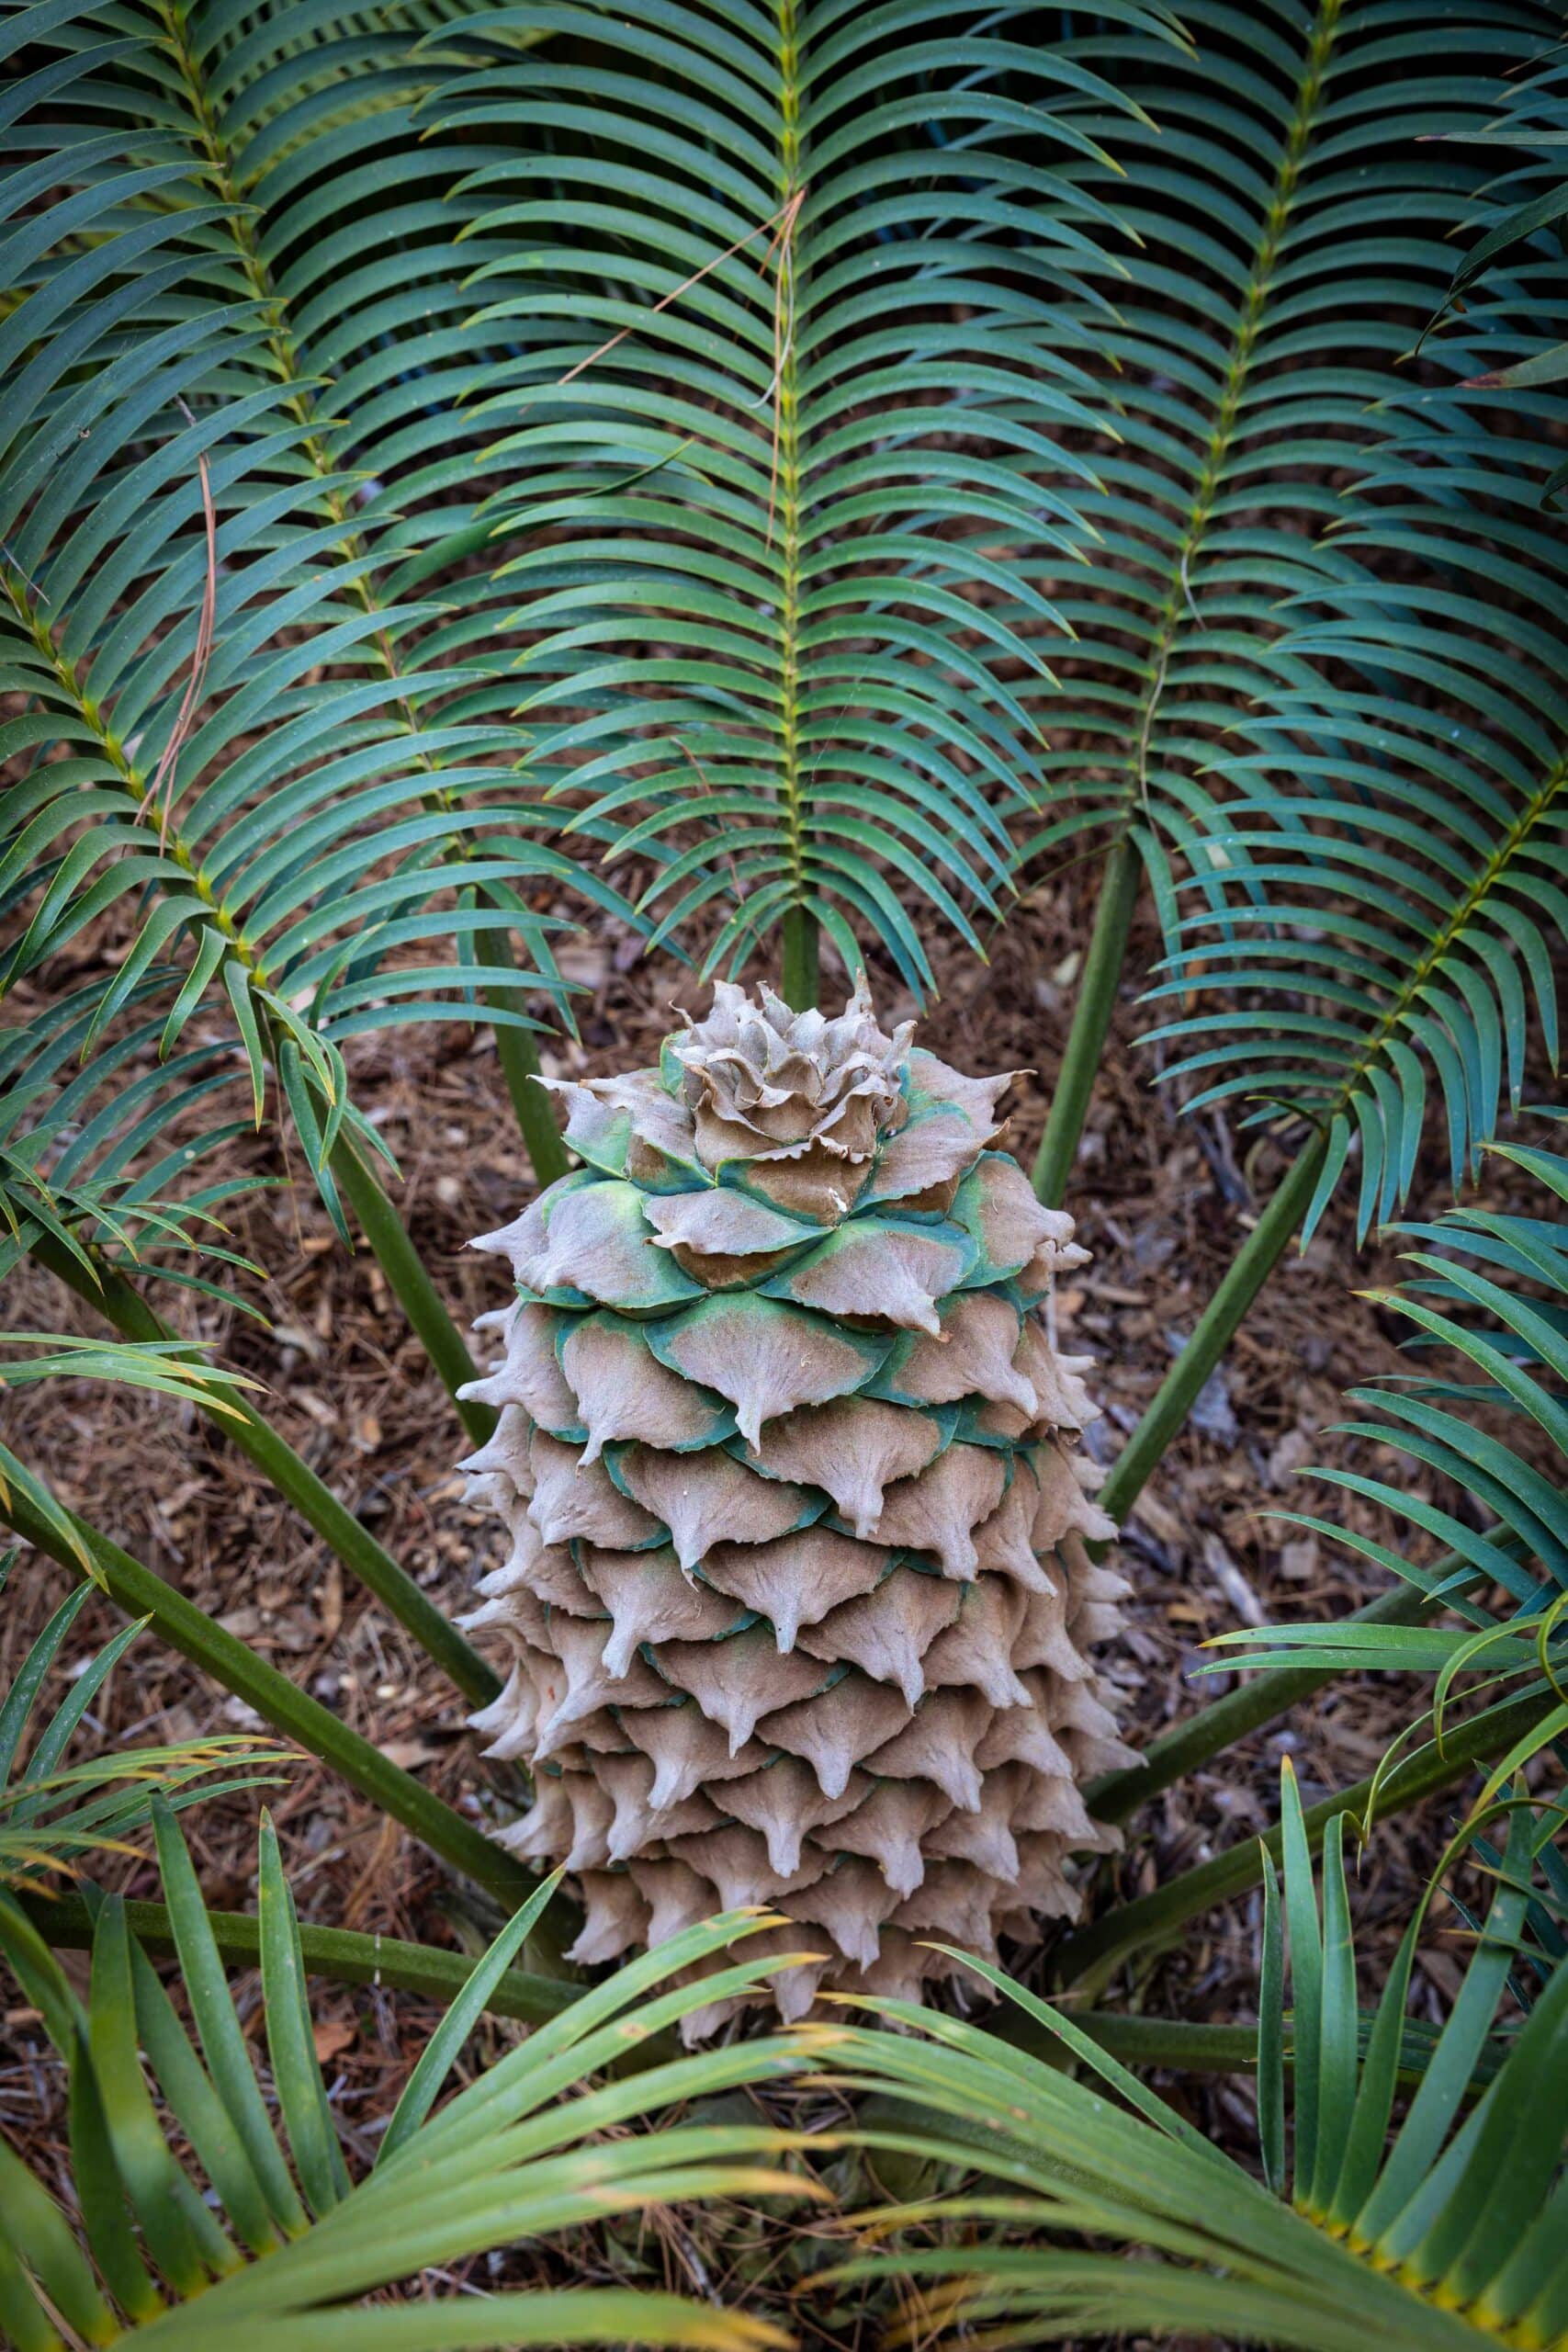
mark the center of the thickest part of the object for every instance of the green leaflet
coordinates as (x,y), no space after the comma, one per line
(492,2165)
(1491,1321)
(1442,2240)
(738,250)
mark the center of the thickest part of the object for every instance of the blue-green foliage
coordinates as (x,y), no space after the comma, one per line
(809,294)
(289,776)
(1375,903)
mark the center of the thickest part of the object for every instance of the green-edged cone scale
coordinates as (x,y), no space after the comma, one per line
(798,1604)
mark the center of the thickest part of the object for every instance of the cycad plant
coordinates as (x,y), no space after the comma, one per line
(269,712)
(782,480)
(264,625)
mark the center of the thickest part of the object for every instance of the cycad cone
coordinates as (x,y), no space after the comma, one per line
(798,1604)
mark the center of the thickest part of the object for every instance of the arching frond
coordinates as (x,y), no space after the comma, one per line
(807,280)
(1402,929)
(259,2237)
(1291,194)
(244,298)
(105,1137)
(1447,2234)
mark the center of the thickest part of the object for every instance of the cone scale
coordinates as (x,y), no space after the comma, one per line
(798,1607)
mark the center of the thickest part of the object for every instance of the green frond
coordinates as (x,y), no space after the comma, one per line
(1292,198)
(1446,2233)
(200,2215)
(1495,296)
(104,1135)
(168,1367)
(234,364)
(768,493)
(1397,928)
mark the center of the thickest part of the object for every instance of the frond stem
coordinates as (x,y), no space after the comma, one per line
(138,787)
(1092,1013)
(1192,2047)
(1216,1327)
(1266,1245)
(520,1066)
(415,1293)
(801,968)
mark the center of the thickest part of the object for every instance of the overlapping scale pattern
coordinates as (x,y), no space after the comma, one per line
(798,1604)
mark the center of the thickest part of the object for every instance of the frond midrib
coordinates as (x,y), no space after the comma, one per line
(131,779)
(787,450)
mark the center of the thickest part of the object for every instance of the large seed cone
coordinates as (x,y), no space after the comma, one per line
(798,1604)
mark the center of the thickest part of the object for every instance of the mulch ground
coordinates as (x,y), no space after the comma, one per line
(1163,1204)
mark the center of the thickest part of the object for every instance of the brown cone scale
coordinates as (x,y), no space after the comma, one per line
(799,1605)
